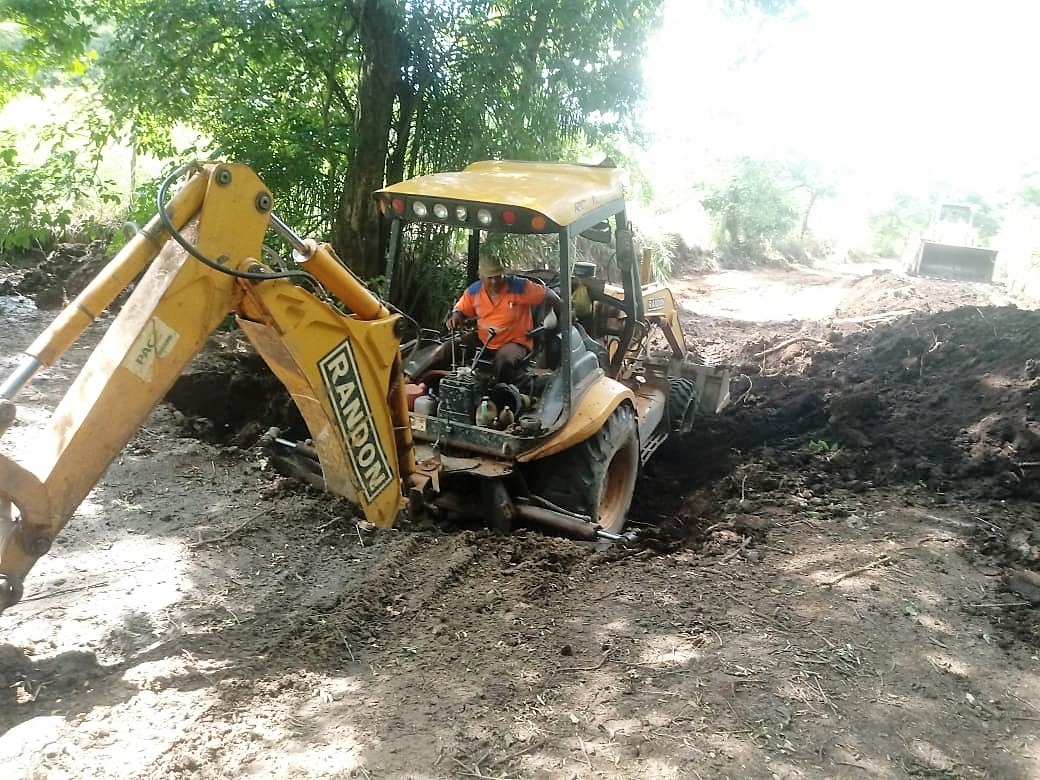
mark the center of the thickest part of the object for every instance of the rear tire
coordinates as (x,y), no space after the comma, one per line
(597,476)
(682,404)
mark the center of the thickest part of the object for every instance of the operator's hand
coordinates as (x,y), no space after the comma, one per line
(455,320)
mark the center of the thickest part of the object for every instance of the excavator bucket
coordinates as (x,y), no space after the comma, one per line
(954,261)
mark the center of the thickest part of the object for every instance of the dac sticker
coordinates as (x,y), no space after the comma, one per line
(155,341)
(653,304)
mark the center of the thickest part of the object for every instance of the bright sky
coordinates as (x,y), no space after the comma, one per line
(898,92)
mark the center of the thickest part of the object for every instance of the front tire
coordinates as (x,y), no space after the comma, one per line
(682,404)
(595,477)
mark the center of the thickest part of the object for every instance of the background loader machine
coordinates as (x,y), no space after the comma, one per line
(592,405)
(950,249)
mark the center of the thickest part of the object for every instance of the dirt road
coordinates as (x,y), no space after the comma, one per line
(835,579)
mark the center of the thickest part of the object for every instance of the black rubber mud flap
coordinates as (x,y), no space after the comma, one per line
(499,511)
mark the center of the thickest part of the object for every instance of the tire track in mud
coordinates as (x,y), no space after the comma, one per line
(401,585)
(400,624)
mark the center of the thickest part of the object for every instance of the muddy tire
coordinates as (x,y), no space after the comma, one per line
(682,404)
(597,476)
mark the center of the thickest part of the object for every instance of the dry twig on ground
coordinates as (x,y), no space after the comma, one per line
(884,315)
(884,560)
(788,342)
(229,534)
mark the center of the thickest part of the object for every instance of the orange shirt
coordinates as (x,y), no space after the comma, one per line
(510,315)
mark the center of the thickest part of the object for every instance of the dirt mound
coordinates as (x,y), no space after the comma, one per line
(57,278)
(885,291)
(942,398)
(901,386)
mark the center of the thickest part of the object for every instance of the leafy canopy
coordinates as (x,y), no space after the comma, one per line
(38,39)
(281,83)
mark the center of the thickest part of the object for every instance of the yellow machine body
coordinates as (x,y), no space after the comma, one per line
(595,415)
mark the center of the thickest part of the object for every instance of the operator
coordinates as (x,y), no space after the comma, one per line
(502,302)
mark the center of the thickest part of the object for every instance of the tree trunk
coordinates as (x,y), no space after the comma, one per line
(808,210)
(407,100)
(732,229)
(383,56)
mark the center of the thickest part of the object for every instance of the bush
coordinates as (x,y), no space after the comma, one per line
(43,204)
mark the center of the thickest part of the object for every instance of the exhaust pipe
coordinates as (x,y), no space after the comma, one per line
(573,526)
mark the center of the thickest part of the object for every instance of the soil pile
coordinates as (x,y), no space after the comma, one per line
(948,399)
(911,381)
(55,279)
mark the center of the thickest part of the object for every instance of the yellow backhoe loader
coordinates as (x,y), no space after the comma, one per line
(592,405)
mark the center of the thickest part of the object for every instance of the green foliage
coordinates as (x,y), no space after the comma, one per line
(430,274)
(753,205)
(326,101)
(41,204)
(35,37)
(309,94)
(141,208)
(898,223)
(822,447)
(662,249)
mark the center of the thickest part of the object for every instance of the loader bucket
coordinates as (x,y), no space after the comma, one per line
(954,261)
(712,383)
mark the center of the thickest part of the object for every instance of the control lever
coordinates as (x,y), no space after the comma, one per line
(483,347)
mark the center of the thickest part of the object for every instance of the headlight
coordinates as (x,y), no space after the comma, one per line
(440,211)
(484,217)
(461,213)
(419,209)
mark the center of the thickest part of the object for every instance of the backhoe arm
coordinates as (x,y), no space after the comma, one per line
(343,370)
(659,307)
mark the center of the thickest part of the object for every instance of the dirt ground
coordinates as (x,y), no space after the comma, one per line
(836,577)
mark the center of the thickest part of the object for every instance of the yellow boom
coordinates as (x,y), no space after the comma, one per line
(341,368)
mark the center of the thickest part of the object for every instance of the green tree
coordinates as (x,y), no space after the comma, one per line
(815,183)
(899,222)
(753,205)
(330,100)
